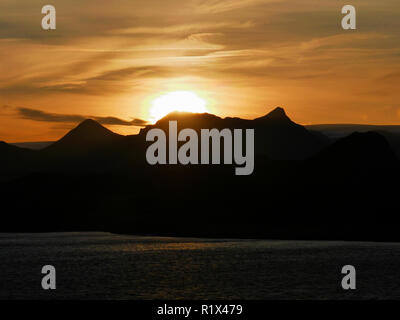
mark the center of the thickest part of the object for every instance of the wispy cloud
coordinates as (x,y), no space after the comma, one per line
(39,115)
(214,6)
(106,82)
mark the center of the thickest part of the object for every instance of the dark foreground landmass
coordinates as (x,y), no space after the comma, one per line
(304,185)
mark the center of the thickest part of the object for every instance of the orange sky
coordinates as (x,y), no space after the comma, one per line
(245,57)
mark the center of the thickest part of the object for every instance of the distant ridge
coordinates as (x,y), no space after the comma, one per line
(341,130)
(10,151)
(14,161)
(359,149)
(337,131)
(38,145)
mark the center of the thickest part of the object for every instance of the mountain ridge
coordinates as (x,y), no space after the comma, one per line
(301,188)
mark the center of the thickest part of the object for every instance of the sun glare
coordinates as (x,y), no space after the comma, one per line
(186,101)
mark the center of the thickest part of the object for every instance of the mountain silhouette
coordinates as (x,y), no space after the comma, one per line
(86,148)
(362,157)
(13,160)
(278,114)
(87,136)
(337,131)
(361,149)
(303,186)
(10,153)
(276,136)
(282,139)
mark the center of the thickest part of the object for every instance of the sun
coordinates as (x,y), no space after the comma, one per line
(186,101)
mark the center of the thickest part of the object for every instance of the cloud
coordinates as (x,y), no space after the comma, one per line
(38,115)
(240,53)
(215,6)
(107,82)
(114,81)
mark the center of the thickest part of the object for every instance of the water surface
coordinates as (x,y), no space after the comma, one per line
(109,266)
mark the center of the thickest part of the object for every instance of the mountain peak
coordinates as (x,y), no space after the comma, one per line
(277,114)
(88,134)
(89,124)
(90,127)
